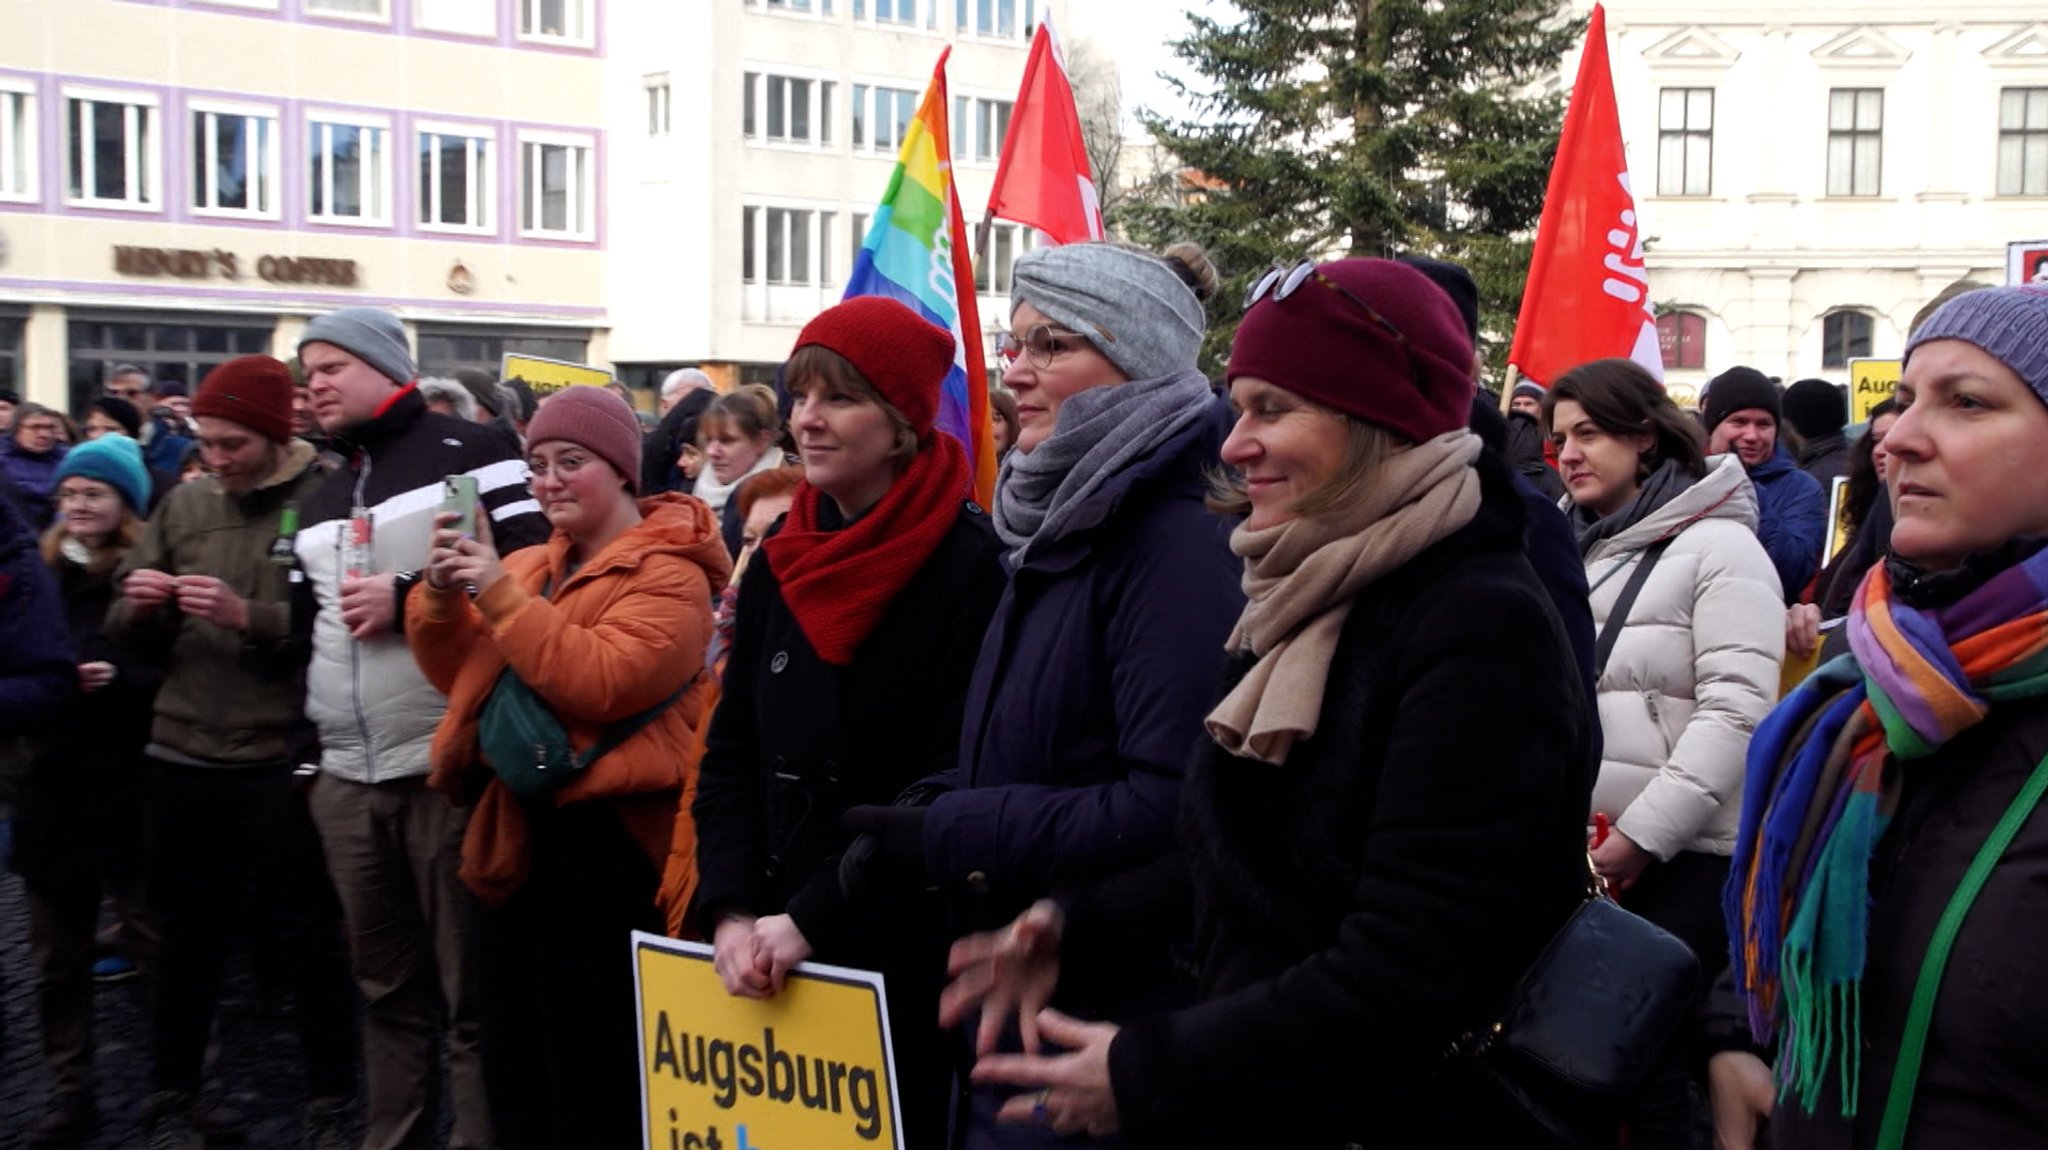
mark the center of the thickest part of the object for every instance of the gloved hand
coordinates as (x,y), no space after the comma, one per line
(887,851)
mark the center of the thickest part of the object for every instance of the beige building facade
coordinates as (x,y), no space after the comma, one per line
(182,181)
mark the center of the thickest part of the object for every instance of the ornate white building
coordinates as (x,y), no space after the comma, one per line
(1810,175)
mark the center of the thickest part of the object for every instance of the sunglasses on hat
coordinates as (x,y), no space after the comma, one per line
(1281,281)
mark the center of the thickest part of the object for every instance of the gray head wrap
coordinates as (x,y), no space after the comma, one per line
(1133,307)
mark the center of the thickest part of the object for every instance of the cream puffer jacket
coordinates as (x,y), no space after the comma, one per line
(1694,668)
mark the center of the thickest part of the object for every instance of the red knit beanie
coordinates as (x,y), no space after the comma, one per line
(594,419)
(905,356)
(1323,346)
(254,391)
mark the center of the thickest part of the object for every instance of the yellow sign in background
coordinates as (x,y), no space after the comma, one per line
(808,1069)
(1871,382)
(548,376)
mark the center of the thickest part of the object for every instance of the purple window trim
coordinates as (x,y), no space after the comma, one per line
(53,122)
(400,23)
(49,174)
(510,218)
(275,302)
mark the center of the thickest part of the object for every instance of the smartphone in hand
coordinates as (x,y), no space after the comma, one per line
(459,496)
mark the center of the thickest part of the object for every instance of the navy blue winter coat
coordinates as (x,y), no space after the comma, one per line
(1104,655)
(37,671)
(1792,519)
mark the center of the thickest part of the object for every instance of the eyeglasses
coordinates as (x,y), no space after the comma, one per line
(86,497)
(1042,342)
(1281,282)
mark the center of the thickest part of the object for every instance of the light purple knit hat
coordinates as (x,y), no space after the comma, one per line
(2010,324)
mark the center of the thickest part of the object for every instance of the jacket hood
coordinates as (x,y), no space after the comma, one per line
(1780,463)
(1725,492)
(672,524)
(298,456)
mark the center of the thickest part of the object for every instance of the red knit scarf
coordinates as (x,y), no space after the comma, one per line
(838,583)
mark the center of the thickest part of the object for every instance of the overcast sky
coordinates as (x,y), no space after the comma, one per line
(1137,31)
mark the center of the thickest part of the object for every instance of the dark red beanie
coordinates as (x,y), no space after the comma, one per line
(1324,347)
(904,355)
(254,391)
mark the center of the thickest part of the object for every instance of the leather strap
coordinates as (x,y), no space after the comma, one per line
(1610,632)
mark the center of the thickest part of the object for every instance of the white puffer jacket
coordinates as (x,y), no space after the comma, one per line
(1694,668)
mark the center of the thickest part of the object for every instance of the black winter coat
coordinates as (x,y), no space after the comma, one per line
(1362,905)
(795,741)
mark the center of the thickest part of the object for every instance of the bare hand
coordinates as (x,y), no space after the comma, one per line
(1740,1086)
(205,597)
(369,605)
(459,561)
(93,676)
(1802,630)
(1073,1090)
(1008,973)
(778,945)
(1620,861)
(149,589)
(735,955)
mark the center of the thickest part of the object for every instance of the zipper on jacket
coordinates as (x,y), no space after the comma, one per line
(355,655)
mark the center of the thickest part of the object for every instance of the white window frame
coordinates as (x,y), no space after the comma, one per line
(490,31)
(825,133)
(381,16)
(659,103)
(484,193)
(144,163)
(866,91)
(924,15)
(582,190)
(26,141)
(258,5)
(827,265)
(1030,14)
(964,119)
(1022,239)
(384,176)
(268,177)
(583,17)
(811,9)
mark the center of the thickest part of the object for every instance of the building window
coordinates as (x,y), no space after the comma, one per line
(462,17)
(1845,335)
(557,185)
(1002,18)
(993,264)
(1682,337)
(361,9)
(113,151)
(444,350)
(555,20)
(860,240)
(787,247)
(749,268)
(1685,142)
(823,7)
(881,116)
(1855,141)
(787,109)
(887,11)
(2023,142)
(17,145)
(348,171)
(10,352)
(181,350)
(979,128)
(658,104)
(234,162)
(456,167)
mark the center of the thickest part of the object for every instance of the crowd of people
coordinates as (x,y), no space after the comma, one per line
(1212,786)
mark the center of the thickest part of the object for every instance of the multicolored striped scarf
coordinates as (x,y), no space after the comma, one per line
(1824,774)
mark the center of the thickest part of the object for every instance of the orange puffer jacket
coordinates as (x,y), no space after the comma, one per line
(625,631)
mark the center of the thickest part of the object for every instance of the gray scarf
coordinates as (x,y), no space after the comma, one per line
(1099,432)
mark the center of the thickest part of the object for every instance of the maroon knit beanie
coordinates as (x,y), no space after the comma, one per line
(594,419)
(1323,346)
(905,356)
(254,391)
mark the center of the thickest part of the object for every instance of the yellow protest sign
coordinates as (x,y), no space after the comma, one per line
(1871,382)
(809,1069)
(547,376)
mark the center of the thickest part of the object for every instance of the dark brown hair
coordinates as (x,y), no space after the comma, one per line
(1004,405)
(1623,399)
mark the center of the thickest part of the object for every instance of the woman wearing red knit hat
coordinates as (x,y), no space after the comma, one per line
(589,651)
(859,621)
(1374,845)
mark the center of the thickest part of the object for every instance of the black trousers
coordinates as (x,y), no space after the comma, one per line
(213,834)
(1684,897)
(555,986)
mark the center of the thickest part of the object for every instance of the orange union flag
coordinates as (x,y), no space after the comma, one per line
(1588,295)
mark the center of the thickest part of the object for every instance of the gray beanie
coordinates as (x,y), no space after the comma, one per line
(1134,308)
(2010,324)
(371,334)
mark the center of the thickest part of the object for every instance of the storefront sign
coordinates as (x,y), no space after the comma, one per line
(189,264)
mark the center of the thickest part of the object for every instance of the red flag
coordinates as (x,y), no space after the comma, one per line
(1044,179)
(1588,295)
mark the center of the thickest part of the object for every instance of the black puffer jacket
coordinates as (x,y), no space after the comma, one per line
(1380,893)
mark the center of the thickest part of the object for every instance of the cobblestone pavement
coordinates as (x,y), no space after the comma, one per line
(256,1062)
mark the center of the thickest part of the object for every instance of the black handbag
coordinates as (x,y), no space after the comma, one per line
(1596,1012)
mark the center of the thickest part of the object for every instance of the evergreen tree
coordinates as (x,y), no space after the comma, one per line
(1365,127)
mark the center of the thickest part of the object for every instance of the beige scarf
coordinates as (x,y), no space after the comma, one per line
(1301,577)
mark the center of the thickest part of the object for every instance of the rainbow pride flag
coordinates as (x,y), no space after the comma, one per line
(917,253)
